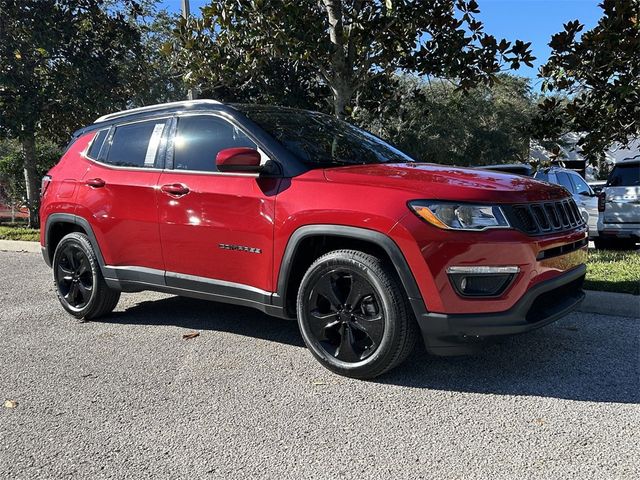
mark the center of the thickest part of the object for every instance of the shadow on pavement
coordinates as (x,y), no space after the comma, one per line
(572,359)
(197,314)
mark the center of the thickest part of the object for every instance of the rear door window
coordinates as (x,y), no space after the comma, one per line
(580,185)
(625,176)
(137,145)
(199,138)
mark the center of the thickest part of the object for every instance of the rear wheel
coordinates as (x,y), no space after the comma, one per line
(353,314)
(79,284)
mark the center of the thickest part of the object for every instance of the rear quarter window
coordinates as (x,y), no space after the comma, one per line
(97,143)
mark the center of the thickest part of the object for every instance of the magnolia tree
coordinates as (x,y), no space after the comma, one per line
(434,122)
(340,44)
(62,62)
(599,73)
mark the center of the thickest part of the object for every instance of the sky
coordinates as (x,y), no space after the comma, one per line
(528,20)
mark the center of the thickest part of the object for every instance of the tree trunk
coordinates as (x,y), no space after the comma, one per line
(31,180)
(341,69)
(341,100)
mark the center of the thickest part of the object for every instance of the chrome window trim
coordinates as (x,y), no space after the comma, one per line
(204,172)
(111,134)
(118,167)
(168,150)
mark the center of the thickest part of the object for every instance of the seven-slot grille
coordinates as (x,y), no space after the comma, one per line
(545,217)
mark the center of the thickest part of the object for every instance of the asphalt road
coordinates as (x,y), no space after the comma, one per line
(128,397)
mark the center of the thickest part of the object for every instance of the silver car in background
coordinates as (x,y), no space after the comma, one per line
(582,193)
(619,205)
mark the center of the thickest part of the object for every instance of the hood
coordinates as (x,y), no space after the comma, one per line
(441,182)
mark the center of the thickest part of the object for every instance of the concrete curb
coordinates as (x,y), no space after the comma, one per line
(19,246)
(610,303)
(605,303)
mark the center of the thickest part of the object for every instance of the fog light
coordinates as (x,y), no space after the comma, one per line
(481,281)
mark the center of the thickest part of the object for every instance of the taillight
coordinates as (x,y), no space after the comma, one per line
(46,180)
(602,198)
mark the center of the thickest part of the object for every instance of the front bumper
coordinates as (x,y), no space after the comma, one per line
(541,305)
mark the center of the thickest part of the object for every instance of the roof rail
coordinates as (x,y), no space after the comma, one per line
(159,106)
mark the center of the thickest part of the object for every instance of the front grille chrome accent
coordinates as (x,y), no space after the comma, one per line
(482,269)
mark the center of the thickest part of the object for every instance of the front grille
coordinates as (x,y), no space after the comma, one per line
(544,217)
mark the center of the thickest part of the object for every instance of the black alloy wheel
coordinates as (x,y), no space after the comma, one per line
(345,315)
(74,277)
(354,315)
(78,280)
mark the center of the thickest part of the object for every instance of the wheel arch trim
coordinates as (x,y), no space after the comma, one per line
(56,218)
(372,236)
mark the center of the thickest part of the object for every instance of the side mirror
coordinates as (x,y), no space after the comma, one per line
(242,159)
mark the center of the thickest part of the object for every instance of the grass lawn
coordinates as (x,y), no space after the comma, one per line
(613,271)
(19,233)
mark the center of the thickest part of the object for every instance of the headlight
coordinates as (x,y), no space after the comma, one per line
(459,216)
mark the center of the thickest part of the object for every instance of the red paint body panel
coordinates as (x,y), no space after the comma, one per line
(441,182)
(193,230)
(60,195)
(123,213)
(430,250)
(375,197)
(234,210)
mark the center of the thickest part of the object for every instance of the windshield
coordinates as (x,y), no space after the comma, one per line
(320,140)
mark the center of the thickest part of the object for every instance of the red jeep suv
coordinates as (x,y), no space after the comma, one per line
(301,215)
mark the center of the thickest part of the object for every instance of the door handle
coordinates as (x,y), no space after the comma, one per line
(96,182)
(176,189)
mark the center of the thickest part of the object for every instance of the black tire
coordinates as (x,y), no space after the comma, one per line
(614,244)
(600,243)
(625,244)
(78,281)
(362,340)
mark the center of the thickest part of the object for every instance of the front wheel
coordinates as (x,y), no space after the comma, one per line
(353,314)
(79,284)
